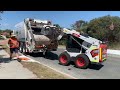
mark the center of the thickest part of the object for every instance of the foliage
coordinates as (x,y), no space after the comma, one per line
(102,28)
(57,25)
(62,42)
(80,26)
(8,31)
(0,13)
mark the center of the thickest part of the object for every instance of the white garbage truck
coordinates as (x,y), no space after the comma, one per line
(41,36)
(37,35)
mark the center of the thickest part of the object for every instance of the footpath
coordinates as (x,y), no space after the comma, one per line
(13,69)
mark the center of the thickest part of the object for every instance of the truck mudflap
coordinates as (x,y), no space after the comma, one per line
(102,52)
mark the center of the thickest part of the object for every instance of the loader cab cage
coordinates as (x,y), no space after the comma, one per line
(72,45)
(75,44)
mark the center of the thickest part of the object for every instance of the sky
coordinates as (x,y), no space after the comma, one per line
(63,18)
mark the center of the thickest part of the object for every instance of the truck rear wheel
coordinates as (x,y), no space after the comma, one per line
(44,54)
(64,59)
(82,61)
(23,48)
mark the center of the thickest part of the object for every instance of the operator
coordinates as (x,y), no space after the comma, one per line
(14,46)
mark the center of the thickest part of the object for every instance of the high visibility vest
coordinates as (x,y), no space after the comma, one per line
(13,43)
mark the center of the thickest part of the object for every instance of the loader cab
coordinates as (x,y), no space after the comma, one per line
(72,45)
(76,45)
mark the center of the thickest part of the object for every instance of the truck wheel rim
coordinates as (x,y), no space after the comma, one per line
(63,59)
(80,62)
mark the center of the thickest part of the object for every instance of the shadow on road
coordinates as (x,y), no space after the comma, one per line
(49,55)
(36,54)
(4,60)
(92,66)
(1,48)
(95,66)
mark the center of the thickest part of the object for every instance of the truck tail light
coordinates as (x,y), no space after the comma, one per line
(94,52)
(103,52)
(41,46)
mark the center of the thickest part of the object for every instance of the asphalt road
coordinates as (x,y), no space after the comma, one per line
(110,69)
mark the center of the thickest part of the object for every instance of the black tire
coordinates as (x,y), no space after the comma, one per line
(64,59)
(44,55)
(54,50)
(82,61)
(21,48)
(25,50)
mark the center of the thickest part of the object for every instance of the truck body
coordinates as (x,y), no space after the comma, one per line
(37,35)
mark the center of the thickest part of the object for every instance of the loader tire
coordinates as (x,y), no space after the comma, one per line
(64,59)
(82,61)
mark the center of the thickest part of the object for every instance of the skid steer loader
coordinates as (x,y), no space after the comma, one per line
(82,49)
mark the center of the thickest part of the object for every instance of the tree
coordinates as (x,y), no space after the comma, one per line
(106,27)
(102,28)
(57,25)
(80,26)
(6,32)
(0,13)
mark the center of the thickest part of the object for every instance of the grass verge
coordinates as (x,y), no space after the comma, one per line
(43,72)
